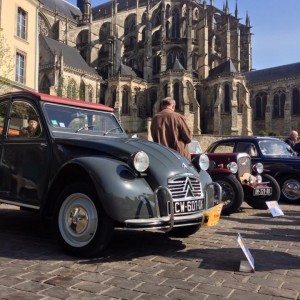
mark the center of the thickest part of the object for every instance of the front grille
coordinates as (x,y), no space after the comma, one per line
(185,187)
(244,165)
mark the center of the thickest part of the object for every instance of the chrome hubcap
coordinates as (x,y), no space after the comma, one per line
(291,189)
(78,220)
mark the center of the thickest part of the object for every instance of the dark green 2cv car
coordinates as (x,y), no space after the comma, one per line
(79,168)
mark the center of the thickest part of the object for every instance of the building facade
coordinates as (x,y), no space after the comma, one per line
(19,45)
(145,50)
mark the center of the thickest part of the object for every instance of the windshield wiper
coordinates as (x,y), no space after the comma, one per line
(110,130)
(84,127)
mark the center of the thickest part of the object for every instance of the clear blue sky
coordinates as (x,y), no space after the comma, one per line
(276,29)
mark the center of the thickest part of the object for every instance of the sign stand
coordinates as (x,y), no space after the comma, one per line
(246,265)
(274,208)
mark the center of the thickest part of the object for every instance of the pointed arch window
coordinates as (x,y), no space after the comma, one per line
(296,102)
(166,90)
(175,23)
(90,93)
(226,108)
(260,106)
(278,104)
(82,91)
(167,29)
(156,64)
(172,55)
(125,102)
(176,91)
(72,89)
(45,85)
(239,99)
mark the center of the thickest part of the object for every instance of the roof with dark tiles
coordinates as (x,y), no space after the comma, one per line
(71,56)
(273,74)
(63,7)
(226,67)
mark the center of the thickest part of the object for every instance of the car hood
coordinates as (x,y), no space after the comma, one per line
(164,162)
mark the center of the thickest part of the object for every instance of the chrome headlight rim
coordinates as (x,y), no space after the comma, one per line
(140,161)
(233,167)
(204,162)
(258,168)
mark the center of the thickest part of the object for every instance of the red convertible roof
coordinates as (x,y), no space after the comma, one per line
(72,102)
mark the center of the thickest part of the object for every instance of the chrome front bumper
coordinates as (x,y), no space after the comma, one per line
(166,223)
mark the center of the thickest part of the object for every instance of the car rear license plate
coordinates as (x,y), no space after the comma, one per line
(181,207)
(266,191)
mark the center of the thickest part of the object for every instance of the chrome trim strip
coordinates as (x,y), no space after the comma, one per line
(19,204)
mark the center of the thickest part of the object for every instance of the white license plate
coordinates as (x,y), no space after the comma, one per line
(262,191)
(181,207)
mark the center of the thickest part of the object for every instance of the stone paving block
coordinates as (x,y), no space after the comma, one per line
(91,287)
(22,296)
(278,292)
(59,293)
(176,275)
(62,281)
(36,276)
(10,281)
(119,293)
(4,291)
(149,278)
(238,295)
(186,295)
(120,273)
(270,282)
(31,286)
(213,290)
(93,277)
(154,289)
(180,284)
(123,283)
(293,285)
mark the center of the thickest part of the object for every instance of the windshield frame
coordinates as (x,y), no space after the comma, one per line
(70,131)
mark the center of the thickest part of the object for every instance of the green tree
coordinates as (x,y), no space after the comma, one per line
(6,65)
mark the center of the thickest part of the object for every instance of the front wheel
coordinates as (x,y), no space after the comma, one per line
(232,192)
(259,202)
(290,189)
(82,226)
(183,232)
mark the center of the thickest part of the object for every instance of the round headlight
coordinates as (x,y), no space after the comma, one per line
(141,161)
(233,167)
(259,168)
(203,162)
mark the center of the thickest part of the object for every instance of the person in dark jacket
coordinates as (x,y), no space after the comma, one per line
(170,128)
(33,128)
(292,138)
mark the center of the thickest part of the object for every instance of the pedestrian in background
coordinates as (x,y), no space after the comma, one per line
(170,129)
(292,138)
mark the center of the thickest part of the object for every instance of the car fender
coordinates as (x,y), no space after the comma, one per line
(123,194)
(217,171)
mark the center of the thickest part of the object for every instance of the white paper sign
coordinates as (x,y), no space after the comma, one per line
(246,251)
(274,208)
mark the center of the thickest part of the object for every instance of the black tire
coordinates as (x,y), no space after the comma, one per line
(82,226)
(259,202)
(289,196)
(232,192)
(183,232)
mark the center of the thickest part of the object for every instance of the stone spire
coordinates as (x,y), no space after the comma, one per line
(247,20)
(226,8)
(85,7)
(236,12)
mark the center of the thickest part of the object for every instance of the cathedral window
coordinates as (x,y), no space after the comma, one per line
(168,11)
(90,93)
(166,90)
(45,85)
(278,105)
(296,102)
(82,91)
(156,64)
(125,102)
(175,23)
(153,99)
(82,43)
(239,99)
(226,107)
(260,106)
(104,32)
(176,92)
(114,97)
(172,55)
(167,29)
(72,89)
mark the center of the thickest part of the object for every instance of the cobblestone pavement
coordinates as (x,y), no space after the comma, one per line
(153,266)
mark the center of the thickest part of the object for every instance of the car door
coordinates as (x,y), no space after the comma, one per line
(25,157)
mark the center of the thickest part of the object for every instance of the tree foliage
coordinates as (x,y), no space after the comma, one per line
(6,65)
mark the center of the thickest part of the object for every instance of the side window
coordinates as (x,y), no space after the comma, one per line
(24,121)
(224,148)
(249,148)
(3,107)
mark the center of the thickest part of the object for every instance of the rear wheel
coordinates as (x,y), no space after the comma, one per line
(290,189)
(232,192)
(259,202)
(82,226)
(183,231)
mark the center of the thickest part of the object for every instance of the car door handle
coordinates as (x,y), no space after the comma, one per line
(43,145)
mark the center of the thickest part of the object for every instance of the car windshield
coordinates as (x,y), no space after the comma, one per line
(62,118)
(275,148)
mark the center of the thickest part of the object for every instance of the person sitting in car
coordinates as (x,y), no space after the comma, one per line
(33,128)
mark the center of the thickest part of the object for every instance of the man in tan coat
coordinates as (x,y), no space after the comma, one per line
(170,129)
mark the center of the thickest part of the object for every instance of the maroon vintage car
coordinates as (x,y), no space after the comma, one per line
(239,179)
